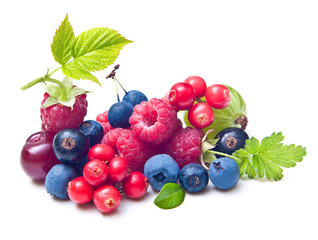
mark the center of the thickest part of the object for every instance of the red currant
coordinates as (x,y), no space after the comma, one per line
(80,191)
(218,96)
(95,172)
(198,85)
(106,198)
(102,152)
(201,115)
(118,169)
(135,185)
(182,96)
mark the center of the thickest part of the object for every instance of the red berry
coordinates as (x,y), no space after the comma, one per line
(201,115)
(218,96)
(154,121)
(103,120)
(135,185)
(95,172)
(102,152)
(198,85)
(118,169)
(184,146)
(37,155)
(80,191)
(106,198)
(58,117)
(182,96)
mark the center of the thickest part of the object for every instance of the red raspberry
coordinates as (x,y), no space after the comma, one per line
(184,146)
(58,117)
(128,146)
(103,120)
(154,121)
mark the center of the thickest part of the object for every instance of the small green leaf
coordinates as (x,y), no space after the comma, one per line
(62,42)
(49,102)
(170,196)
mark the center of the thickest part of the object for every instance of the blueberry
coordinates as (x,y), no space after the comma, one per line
(161,169)
(70,146)
(193,177)
(57,179)
(93,130)
(135,97)
(230,140)
(79,166)
(224,173)
(119,114)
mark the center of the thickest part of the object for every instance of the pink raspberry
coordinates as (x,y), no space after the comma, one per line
(103,120)
(127,145)
(184,146)
(154,121)
(58,117)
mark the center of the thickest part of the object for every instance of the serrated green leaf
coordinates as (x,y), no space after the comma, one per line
(75,70)
(62,42)
(94,50)
(170,196)
(267,158)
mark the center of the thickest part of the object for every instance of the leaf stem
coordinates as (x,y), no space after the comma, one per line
(223,154)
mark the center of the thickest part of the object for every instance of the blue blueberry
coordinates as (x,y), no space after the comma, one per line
(93,130)
(224,173)
(57,179)
(79,166)
(230,140)
(70,146)
(135,97)
(161,169)
(119,114)
(193,177)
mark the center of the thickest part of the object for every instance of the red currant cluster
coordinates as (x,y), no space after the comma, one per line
(105,179)
(188,95)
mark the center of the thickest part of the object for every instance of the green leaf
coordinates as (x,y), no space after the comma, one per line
(94,50)
(50,101)
(170,196)
(62,42)
(266,158)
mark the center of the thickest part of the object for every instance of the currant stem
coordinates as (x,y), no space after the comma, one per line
(120,84)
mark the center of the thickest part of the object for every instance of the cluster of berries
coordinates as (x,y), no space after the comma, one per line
(127,146)
(184,94)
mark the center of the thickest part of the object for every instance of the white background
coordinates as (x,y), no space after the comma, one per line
(267,50)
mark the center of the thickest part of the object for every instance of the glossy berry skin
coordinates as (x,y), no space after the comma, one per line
(201,115)
(182,96)
(135,185)
(57,179)
(193,178)
(106,198)
(135,97)
(218,96)
(119,114)
(118,168)
(198,84)
(161,169)
(95,172)
(93,130)
(37,156)
(70,146)
(103,152)
(58,117)
(230,140)
(224,173)
(79,191)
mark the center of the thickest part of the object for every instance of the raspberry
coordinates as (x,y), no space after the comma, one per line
(184,146)
(154,121)
(58,117)
(128,146)
(103,120)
